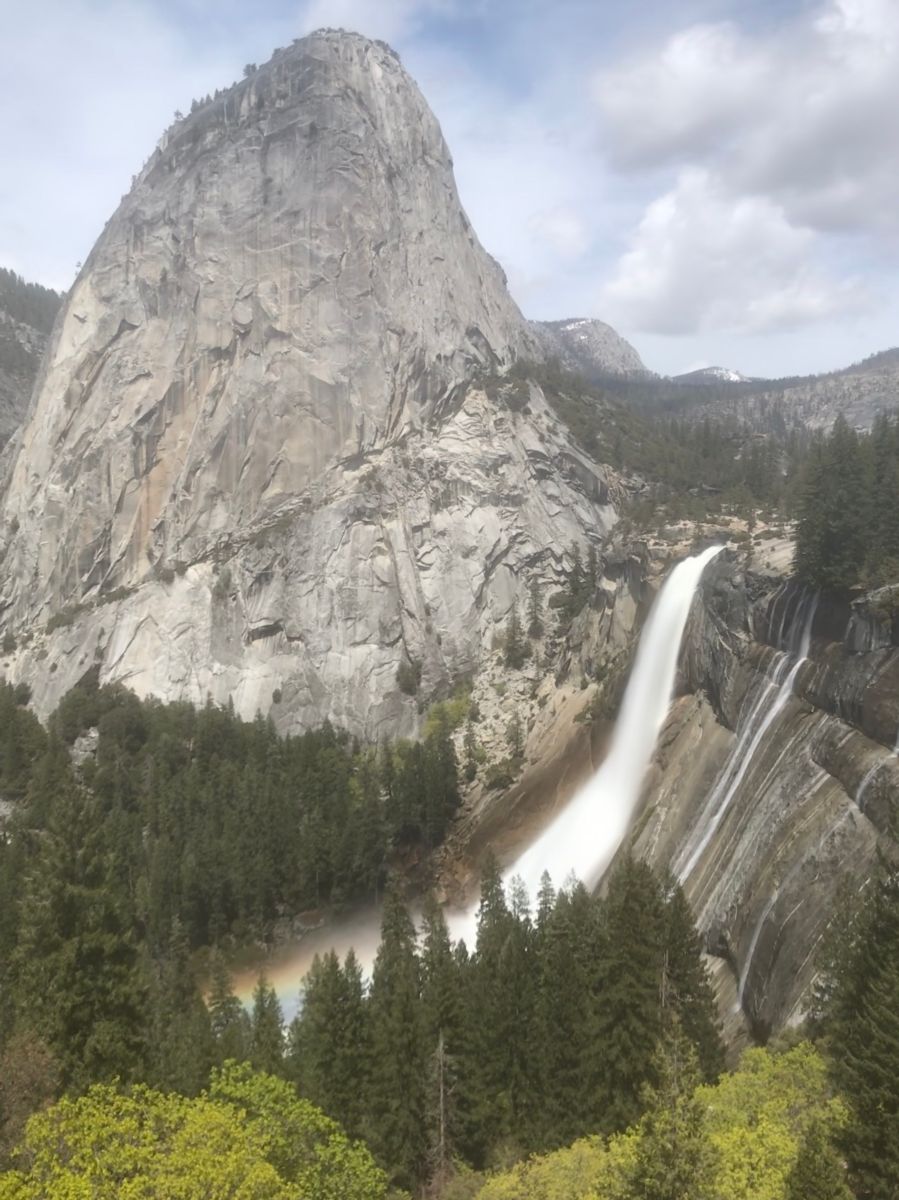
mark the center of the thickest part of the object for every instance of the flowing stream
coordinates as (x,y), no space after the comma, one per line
(584,836)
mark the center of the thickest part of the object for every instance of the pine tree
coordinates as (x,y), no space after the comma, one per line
(440,983)
(832,534)
(470,747)
(441,780)
(492,1013)
(628,1024)
(229,1020)
(689,988)
(674,1158)
(181,1041)
(516,648)
(819,1173)
(564,1080)
(515,735)
(863,1030)
(267,1030)
(440,1107)
(535,609)
(77,978)
(396,1102)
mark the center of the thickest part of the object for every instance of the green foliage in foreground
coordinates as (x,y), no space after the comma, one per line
(551,1027)
(742,1138)
(249,1137)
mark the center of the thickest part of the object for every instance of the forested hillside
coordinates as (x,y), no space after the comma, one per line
(580,1017)
(848,508)
(27,312)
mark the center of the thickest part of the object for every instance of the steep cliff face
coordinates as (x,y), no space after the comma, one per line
(261,462)
(776,777)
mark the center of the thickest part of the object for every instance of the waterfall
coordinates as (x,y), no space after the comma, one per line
(771,701)
(583,838)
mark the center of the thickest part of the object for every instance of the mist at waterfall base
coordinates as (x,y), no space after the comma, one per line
(583,838)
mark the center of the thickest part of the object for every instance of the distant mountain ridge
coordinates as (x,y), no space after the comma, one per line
(859,392)
(710,375)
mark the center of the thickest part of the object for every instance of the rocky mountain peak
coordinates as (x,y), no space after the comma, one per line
(258,461)
(589,347)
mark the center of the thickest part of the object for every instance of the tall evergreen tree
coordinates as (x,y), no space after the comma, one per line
(688,987)
(229,1020)
(78,984)
(833,530)
(267,1029)
(675,1158)
(396,1104)
(863,1034)
(181,1041)
(564,1080)
(628,979)
(535,609)
(819,1172)
(516,646)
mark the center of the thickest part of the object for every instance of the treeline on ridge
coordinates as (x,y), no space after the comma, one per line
(30,303)
(848,507)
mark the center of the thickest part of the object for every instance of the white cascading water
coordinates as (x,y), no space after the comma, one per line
(761,717)
(583,838)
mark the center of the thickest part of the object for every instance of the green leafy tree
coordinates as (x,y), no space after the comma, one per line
(249,1137)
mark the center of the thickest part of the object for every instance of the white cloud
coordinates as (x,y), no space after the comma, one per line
(792,134)
(683,99)
(701,259)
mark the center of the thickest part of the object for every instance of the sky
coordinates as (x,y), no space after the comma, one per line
(718,180)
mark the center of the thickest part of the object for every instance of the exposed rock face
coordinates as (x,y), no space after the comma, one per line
(589,348)
(775,778)
(259,462)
